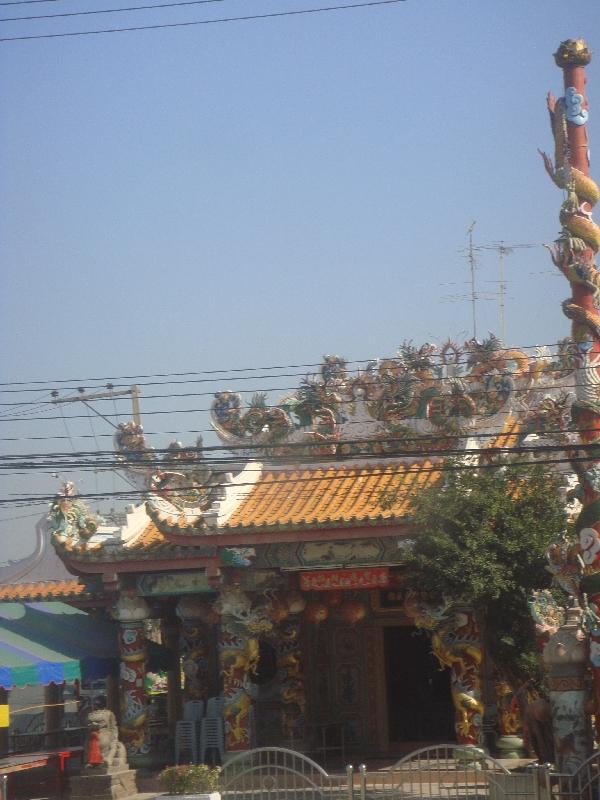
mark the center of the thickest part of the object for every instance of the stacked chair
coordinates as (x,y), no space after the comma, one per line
(200,732)
(212,734)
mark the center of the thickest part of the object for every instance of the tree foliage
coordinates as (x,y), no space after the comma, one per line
(480,536)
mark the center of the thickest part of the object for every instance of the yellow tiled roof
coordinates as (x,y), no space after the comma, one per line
(41,590)
(151,538)
(336,495)
(509,435)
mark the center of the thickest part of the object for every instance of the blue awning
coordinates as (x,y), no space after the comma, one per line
(51,642)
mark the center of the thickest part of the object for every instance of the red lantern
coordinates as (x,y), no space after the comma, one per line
(279,610)
(352,611)
(316,611)
(334,598)
(296,602)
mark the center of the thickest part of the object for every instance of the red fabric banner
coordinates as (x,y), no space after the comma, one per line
(324,580)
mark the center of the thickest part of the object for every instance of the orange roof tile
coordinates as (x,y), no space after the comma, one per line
(41,590)
(151,538)
(336,495)
(509,435)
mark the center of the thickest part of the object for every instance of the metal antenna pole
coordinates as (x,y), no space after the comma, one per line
(502,250)
(472,266)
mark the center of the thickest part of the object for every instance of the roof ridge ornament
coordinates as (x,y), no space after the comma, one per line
(424,394)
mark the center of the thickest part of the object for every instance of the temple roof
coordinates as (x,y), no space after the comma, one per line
(332,495)
(328,496)
(40,575)
(348,449)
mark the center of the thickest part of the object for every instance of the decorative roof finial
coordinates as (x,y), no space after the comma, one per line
(573,53)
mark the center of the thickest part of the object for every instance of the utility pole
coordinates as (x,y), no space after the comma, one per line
(85,398)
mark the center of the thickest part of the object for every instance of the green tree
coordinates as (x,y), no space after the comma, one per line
(481,536)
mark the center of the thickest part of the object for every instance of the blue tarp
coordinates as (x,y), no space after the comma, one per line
(41,643)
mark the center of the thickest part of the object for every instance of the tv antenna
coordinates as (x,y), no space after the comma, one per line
(473,295)
(503,250)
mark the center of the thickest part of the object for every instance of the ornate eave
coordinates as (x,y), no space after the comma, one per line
(337,459)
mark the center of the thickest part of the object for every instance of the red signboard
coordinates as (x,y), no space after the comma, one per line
(324,580)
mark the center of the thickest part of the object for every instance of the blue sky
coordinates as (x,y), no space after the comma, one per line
(259,193)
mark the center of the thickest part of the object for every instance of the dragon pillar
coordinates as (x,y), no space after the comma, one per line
(131,612)
(574,254)
(456,643)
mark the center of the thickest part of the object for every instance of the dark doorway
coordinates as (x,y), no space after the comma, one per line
(419,702)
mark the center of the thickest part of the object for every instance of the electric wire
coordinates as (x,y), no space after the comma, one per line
(25,2)
(164,25)
(413,380)
(419,469)
(109,10)
(223,373)
(248,447)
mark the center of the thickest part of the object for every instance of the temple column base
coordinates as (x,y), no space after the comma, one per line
(510,746)
(104,785)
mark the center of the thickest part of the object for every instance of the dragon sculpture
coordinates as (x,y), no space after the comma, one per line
(576,566)
(398,405)
(180,485)
(455,642)
(72,522)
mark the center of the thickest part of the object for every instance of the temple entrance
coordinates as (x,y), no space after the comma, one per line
(419,701)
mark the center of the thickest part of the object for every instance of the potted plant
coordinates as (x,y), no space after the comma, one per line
(192,781)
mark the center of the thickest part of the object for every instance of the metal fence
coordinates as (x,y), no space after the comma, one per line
(584,784)
(275,773)
(443,772)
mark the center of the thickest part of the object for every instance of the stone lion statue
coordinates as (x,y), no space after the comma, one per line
(104,747)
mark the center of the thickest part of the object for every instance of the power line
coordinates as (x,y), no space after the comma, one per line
(109,10)
(246,18)
(441,396)
(25,2)
(146,455)
(220,372)
(418,469)
(149,462)
(260,390)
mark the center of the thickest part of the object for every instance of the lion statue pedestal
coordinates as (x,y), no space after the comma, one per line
(106,774)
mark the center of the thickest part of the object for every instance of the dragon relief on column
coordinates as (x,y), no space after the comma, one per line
(243,621)
(574,254)
(456,643)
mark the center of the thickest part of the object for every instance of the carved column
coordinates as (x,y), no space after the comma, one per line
(574,254)
(565,658)
(131,612)
(293,694)
(455,642)
(235,656)
(194,642)
(170,639)
(510,722)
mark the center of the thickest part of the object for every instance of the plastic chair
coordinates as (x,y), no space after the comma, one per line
(186,739)
(193,710)
(214,707)
(211,738)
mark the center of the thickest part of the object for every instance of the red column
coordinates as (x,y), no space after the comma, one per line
(131,612)
(574,255)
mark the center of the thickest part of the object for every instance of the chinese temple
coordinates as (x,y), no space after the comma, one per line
(275,572)
(273,563)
